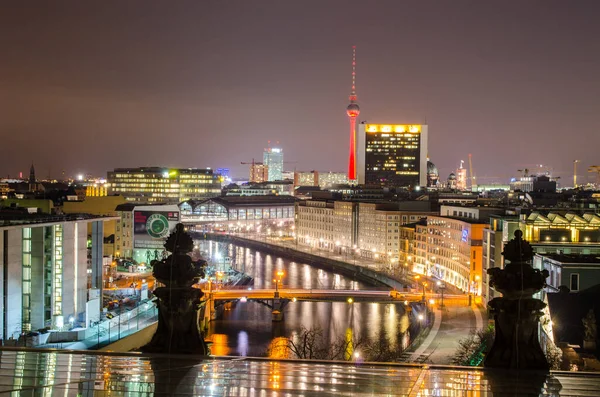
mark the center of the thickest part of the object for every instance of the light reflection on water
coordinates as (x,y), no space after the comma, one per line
(247,329)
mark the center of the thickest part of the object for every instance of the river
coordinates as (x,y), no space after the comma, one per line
(247,330)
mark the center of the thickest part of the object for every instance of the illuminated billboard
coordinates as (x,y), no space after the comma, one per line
(151,228)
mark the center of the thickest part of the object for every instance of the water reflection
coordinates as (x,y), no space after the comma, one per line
(248,325)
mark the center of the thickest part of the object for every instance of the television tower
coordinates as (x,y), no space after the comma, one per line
(352,111)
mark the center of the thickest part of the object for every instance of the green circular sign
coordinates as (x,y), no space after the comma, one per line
(157,226)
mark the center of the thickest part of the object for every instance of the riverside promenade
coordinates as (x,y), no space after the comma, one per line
(450,324)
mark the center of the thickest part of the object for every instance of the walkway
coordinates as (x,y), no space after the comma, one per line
(450,326)
(108,332)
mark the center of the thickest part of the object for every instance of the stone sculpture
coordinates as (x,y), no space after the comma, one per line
(590,330)
(179,305)
(517,313)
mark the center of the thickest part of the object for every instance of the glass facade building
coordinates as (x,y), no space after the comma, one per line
(273,159)
(164,185)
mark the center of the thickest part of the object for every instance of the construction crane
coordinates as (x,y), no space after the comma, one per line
(246,163)
(473,183)
(525,172)
(596,169)
(575,173)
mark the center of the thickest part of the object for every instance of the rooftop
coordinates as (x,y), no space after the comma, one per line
(573,258)
(132,206)
(162,169)
(232,201)
(29,372)
(9,218)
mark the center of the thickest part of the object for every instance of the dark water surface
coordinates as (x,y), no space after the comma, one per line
(247,330)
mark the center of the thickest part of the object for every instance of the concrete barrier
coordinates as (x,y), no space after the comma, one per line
(132,342)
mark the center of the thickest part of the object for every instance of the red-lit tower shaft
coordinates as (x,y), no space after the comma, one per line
(352,111)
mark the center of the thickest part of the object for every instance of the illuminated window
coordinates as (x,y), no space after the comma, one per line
(26,304)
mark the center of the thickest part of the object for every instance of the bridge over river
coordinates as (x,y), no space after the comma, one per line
(277,298)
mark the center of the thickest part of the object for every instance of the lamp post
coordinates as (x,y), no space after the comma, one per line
(424,284)
(277,282)
(442,287)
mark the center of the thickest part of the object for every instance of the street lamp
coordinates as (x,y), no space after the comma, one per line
(277,281)
(442,287)
(424,284)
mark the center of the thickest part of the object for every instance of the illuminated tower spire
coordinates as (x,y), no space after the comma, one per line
(352,111)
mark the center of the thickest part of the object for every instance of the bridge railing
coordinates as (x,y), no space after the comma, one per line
(287,288)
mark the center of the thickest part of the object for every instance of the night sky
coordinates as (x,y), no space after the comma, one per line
(89,86)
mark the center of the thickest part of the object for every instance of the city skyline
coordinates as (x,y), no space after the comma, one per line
(505,82)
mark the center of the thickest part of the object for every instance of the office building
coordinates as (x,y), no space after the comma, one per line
(363,229)
(392,155)
(99,206)
(548,232)
(329,179)
(577,272)
(273,159)
(143,229)
(533,183)
(450,250)
(51,271)
(310,178)
(259,172)
(153,185)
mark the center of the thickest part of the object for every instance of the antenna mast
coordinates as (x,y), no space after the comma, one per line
(352,111)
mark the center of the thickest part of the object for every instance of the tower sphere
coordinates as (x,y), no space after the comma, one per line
(353,110)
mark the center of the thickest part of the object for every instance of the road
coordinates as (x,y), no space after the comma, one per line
(128,278)
(329,295)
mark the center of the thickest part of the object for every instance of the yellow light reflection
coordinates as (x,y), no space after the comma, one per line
(349,345)
(279,348)
(219,345)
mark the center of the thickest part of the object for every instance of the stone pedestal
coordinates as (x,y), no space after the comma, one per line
(178,330)
(589,345)
(517,313)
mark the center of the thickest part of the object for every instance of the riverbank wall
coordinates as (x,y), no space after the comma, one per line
(356,272)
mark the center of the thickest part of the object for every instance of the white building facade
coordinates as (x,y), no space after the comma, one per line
(51,274)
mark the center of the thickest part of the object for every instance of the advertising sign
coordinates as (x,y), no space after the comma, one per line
(151,228)
(465,235)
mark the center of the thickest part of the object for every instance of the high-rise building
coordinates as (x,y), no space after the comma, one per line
(164,185)
(273,159)
(461,177)
(392,155)
(353,110)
